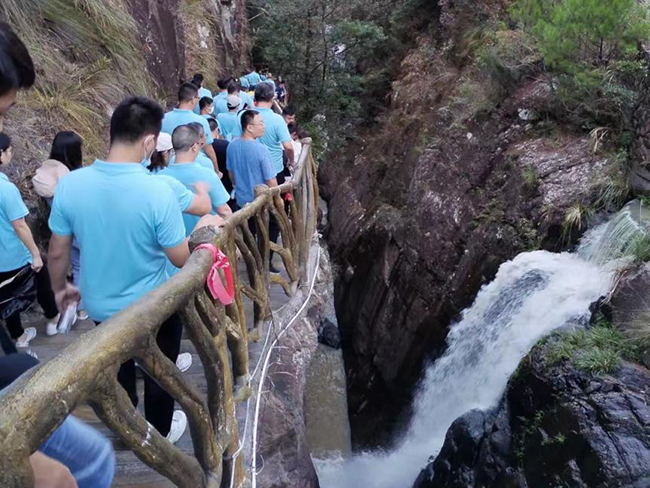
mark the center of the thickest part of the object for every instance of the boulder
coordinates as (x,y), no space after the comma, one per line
(328,334)
(556,426)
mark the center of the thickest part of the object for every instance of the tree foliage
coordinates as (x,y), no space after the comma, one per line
(591,48)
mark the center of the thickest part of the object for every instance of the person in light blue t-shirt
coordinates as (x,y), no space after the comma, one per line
(229,123)
(197,80)
(248,161)
(220,98)
(187,100)
(276,137)
(19,253)
(186,140)
(253,78)
(128,223)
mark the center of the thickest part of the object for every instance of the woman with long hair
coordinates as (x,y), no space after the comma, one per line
(66,155)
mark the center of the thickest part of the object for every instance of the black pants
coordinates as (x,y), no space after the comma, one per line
(158,404)
(44,296)
(274,227)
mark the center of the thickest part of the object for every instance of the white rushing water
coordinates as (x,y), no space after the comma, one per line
(530,296)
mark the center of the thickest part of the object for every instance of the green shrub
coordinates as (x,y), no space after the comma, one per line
(591,48)
(598,350)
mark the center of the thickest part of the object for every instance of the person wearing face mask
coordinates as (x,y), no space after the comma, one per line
(20,260)
(206,107)
(128,223)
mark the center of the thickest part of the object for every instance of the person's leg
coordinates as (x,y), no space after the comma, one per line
(44,293)
(84,451)
(15,326)
(75,264)
(126,377)
(7,345)
(158,404)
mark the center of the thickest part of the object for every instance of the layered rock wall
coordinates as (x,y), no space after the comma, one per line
(423,214)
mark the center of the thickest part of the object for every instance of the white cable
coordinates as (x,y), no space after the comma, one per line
(265,367)
(242,439)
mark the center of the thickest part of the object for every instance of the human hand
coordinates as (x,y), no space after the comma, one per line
(37,263)
(65,297)
(49,473)
(207,220)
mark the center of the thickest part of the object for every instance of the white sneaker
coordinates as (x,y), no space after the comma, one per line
(28,335)
(184,361)
(82,315)
(179,424)
(52,326)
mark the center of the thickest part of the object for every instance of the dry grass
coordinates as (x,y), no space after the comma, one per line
(88,58)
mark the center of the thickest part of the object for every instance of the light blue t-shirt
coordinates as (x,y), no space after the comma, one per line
(253,78)
(123,218)
(230,125)
(191,173)
(201,158)
(179,117)
(270,82)
(13,253)
(246,99)
(275,134)
(251,165)
(220,103)
(183,195)
(203,92)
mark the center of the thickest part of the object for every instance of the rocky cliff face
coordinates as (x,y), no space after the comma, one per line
(430,205)
(92,54)
(555,427)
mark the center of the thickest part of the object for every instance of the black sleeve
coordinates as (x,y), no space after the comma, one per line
(13,365)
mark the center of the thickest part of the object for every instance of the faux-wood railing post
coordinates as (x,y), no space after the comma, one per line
(85,372)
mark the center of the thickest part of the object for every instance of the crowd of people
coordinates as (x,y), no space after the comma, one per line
(120,225)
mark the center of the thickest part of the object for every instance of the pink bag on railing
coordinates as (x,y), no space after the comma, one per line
(225,295)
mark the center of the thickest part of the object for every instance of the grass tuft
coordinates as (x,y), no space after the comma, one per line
(598,350)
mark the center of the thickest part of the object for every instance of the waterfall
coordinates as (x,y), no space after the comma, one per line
(532,295)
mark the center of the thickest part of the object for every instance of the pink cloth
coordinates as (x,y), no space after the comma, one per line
(48,176)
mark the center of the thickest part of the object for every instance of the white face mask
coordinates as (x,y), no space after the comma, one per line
(211,110)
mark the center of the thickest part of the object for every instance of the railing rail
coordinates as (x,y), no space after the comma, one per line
(86,371)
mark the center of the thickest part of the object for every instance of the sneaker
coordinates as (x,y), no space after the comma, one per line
(82,315)
(52,326)
(179,424)
(273,269)
(28,335)
(184,361)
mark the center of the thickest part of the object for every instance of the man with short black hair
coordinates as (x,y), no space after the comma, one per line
(276,137)
(128,223)
(206,107)
(289,114)
(221,96)
(249,162)
(187,99)
(197,80)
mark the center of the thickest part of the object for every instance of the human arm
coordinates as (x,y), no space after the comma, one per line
(58,259)
(232,177)
(209,152)
(288,149)
(272,182)
(25,235)
(178,255)
(201,204)
(224,211)
(49,473)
